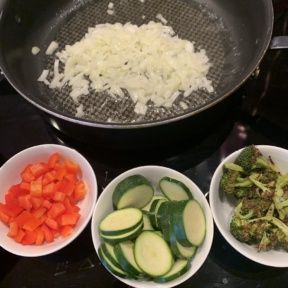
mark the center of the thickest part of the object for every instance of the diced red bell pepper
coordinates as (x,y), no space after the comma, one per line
(53,160)
(80,191)
(47,204)
(66,230)
(59,196)
(66,186)
(39,236)
(29,238)
(51,223)
(56,210)
(19,236)
(69,219)
(23,218)
(27,175)
(49,237)
(25,202)
(38,213)
(4,218)
(13,229)
(36,187)
(71,166)
(32,224)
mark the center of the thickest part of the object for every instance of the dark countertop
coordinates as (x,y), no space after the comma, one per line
(260,118)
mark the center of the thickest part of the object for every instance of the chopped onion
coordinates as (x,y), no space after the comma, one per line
(43,77)
(35,50)
(149,61)
(52,48)
(161,18)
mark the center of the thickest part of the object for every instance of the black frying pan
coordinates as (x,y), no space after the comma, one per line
(234,33)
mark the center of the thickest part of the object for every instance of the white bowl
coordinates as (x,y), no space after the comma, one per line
(10,174)
(154,174)
(222,209)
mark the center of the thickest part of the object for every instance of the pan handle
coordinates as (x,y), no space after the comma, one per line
(279,42)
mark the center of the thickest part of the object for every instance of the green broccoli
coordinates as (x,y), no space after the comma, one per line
(280,197)
(258,206)
(232,178)
(248,157)
(228,180)
(265,163)
(243,192)
(247,231)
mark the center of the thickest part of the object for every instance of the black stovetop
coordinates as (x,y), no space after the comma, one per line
(261,118)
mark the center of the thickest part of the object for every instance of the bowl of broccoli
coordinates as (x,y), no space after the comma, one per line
(249,202)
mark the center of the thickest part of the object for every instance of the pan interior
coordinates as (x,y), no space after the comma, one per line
(189,19)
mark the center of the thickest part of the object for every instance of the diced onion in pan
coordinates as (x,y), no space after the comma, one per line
(52,48)
(150,62)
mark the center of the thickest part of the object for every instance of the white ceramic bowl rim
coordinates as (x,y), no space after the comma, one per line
(104,204)
(35,154)
(222,211)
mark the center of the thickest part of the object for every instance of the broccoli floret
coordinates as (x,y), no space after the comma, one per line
(265,163)
(248,231)
(228,180)
(281,182)
(254,178)
(269,177)
(280,197)
(265,243)
(281,239)
(241,192)
(233,166)
(258,206)
(247,158)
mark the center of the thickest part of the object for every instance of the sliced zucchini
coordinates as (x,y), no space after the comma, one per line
(147,224)
(152,254)
(179,268)
(147,207)
(153,211)
(189,223)
(124,252)
(108,251)
(186,252)
(164,218)
(110,266)
(121,221)
(123,237)
(179,250)
(174,190)
(134,191)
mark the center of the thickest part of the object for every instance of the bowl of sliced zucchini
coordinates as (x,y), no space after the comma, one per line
(152,227)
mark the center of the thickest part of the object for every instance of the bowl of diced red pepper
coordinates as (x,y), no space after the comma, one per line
(47,197)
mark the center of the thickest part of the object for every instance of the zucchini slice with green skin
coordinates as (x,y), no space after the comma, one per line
(164,218)
(153,211)
(108,251)
(186,252)
(123,237)
(134,191)
(179,268)
(147,224)
(152,254)
(189,223)
(179,250)
(124,252)
(110,266)
(121,221)
(147,207)
(174,190)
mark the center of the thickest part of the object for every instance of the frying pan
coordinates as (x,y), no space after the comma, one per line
(235,35)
